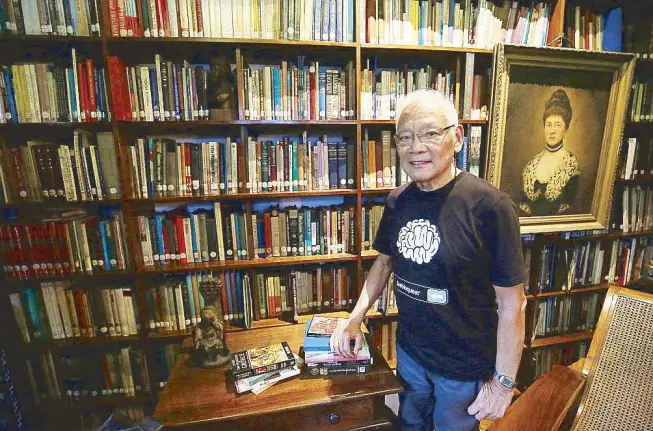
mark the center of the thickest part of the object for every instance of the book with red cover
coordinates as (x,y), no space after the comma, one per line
(119,89)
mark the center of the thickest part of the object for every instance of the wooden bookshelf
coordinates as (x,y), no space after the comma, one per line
(545,240)
(125,131)
(254,263)
(634,181)
(45,40)
(576,290)
(99,276)
(32,128)
(92,403)
(393,122)
(561,339)
(379,191)
(64,206)
(228,42)
(371,48)
(245,196)
(78,343)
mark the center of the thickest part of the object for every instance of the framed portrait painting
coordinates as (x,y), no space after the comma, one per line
(556,123)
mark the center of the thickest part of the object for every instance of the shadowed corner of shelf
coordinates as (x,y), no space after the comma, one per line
(252,263)
(576,290)
(561,339)
(369,254)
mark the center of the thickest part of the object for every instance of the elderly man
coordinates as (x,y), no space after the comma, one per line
(453,243)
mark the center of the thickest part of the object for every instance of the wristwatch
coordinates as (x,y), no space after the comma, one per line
(504,380)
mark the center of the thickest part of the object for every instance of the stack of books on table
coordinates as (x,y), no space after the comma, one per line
(257,369)
(321,361)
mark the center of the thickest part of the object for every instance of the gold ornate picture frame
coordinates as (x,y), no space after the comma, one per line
(556,124)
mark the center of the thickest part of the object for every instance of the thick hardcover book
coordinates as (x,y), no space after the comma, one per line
(261,360)
(336,370)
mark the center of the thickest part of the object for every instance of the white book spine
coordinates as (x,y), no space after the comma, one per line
(108,310)
(147,93)
(70,302)
(129,311)
(172,15)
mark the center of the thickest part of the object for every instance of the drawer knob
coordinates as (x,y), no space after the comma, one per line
(334,418)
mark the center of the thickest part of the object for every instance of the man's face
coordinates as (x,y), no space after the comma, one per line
(427,162)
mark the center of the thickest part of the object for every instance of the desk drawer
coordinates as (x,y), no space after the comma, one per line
(334,417)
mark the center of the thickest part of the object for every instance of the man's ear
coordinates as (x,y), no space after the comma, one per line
(459,136)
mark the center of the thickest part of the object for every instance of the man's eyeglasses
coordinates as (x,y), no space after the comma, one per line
(432,137)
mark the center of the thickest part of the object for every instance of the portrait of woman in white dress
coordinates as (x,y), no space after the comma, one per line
(550,180)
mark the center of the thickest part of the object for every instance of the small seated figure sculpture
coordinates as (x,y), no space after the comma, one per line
(209,334)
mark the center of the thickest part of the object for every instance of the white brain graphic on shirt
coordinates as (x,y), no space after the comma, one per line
(418,241)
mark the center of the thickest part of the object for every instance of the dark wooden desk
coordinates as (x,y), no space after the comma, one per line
(196,399)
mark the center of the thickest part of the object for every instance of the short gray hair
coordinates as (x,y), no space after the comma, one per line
(426,101)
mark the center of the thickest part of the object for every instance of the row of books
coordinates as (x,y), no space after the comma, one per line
(475,91)
(59,310)
(455,23)
(561,315)
(50,93)
(633,209)
(204,236)
(85,244)
(174,303)
(637,36)
(627,258)
(121,372)
(165,167)
(566,267)
(310,290)
(540,361)
(83,170)
(255,370)
(301,91)
(386,303)
(641,101)
(585,29)
(469,157)
(327,20)
(321,361)
(569,266)
(42,377)
(371,218)
(637,161)
(381,167)
(383,89)
(163,91)
(385,337)
(51,17)
(166,359)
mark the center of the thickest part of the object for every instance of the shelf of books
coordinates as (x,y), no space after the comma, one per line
(146,148)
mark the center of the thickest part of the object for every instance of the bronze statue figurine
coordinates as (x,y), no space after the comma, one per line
(211,350)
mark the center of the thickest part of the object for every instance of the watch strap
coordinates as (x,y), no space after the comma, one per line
(504,380)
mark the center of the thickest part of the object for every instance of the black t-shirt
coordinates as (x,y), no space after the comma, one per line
(449,247)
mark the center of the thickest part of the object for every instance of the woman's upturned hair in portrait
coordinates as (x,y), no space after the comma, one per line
(558,104)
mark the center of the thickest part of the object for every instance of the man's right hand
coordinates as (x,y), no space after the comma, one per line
(341,338)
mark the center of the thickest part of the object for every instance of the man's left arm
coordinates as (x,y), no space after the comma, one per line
(493,399)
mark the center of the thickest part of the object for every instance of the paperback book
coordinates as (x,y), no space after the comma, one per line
(262,360)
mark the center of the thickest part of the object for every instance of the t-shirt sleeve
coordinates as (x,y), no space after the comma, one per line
(382,242)
(501,231)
